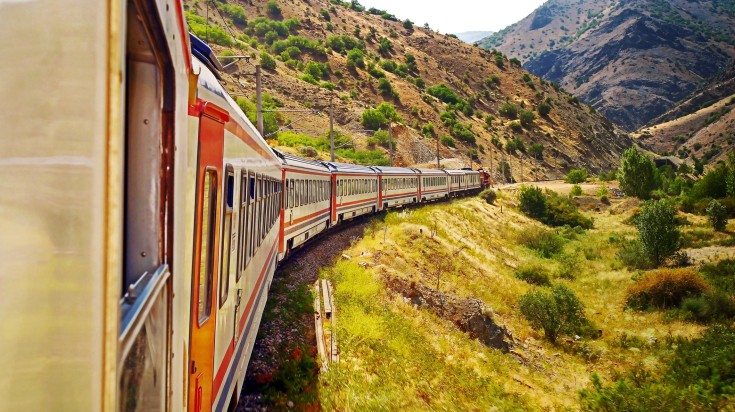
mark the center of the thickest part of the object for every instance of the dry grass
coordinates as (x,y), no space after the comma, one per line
(396,356)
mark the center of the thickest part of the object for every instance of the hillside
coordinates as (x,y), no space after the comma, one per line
(632,60)
(439,86)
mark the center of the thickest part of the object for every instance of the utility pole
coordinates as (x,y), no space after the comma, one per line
(331,126)
(438,162)
(521,160)
(259,98)
(492,172)
(390,141)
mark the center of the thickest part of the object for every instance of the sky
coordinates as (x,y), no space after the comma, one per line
(463,15)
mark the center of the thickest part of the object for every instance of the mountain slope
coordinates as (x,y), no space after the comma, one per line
(702,127)
(633,60)
(406,67)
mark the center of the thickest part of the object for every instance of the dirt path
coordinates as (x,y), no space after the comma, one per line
(710,254)
(286,340)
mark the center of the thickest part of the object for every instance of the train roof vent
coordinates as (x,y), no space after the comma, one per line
(203,52)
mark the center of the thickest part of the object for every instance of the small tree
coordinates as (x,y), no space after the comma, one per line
(489,195)
(356,58)
(717,215)
(556,312)
(637,175)
(274,10)
(544,109)
(267,62)
(658,231)
(532,202)
(576,176)
(527,118)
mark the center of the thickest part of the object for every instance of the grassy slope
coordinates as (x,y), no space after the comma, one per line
(395,356)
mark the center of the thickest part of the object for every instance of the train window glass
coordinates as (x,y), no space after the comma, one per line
(224,283)
(251,215)
(206,256)
(243,224)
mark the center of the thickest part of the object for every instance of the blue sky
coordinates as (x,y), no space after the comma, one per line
(463,15)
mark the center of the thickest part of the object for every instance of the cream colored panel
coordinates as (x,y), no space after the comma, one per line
(53,87)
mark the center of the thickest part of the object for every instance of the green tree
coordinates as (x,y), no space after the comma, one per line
(637,174)
(576,176)
(532,202)
(717,215)
(557,312)
(274,10)
(267,62)
(658,231)
(544,109)
(356,58)
(509,110)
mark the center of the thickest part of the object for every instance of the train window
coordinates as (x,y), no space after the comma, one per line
(251,214)
(224,283)
(243,223)
(206,257)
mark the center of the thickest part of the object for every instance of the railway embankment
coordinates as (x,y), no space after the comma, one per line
(429,303)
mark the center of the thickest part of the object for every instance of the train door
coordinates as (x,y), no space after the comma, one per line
(206,248)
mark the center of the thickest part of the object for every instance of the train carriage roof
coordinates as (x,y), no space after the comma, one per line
(386,170)
(293,161)
(431,172)
(349,168)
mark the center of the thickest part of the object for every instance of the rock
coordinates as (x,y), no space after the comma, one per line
(347,257)
(289,404)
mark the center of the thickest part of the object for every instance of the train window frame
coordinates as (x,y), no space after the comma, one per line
(252,203)
(206,254)
(228,192)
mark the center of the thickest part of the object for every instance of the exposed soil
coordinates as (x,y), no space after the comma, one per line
(469,315)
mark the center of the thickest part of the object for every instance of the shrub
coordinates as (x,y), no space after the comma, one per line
(544,109)
(444,93)
(536,150)
(569,265)
(307,151)
(638,176)
(714,306)
(544,241)
(721,275)
(557,312)
(534,275)
(562,211)
(532,202)
(267,62)
(576,176)
(665,288)
(274,10)
(509,110)
(237,13)
(658,230)
(631,255)
(515,62)
(499,61)
(576,191)
(527,118)
(447,141)
(356,57)
(717,215)
(385,46)
(386,88)
(489,195)
(698,377)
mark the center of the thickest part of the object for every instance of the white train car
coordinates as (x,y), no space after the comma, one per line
(355,191)
(306,203)
(473,178)
(398,186)
(433,184)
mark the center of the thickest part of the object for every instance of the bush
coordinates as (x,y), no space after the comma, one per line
(569,265)
(267,62)
(717,215)
(307,151)
(534,275)
(447,141)
(499,61)
(386,89)
(536,150)
(527,118)
(576,176)
(544,241)
(638,175)
(544,109)
(532,202)
(576,190)
(489,195)
(509,110)
(721,275)
(556,312)
(356,57)
(273,9)
(709,307)
(698,377)
(658,230)
(562,211)
(666,288)
(631,255)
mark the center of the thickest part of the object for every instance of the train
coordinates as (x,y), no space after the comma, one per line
(142,215)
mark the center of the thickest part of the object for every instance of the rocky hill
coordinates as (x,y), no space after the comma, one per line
(480,105)
(701,128)
(632,60)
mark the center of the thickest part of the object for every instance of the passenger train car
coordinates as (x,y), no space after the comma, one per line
(142,216)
